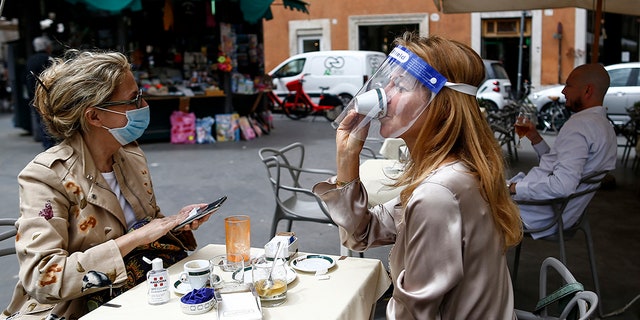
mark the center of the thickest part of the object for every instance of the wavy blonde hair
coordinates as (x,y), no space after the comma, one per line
(454,126)
(74,82)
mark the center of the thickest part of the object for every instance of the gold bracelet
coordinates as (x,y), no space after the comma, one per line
(341,184)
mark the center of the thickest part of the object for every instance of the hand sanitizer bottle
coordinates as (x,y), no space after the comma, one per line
(157,282)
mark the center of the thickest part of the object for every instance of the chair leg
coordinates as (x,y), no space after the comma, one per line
(586,228)
(516,262)
(277,216)
(274,227)
(563,252)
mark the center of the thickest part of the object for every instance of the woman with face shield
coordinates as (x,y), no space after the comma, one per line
(454,220)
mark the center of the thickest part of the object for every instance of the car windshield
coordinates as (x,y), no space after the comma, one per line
(290,69)
(499,71)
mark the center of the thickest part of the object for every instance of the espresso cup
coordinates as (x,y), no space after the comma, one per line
(372,103)
(196,273)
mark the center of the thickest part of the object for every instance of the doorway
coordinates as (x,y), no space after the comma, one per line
(505,50)
(501,42)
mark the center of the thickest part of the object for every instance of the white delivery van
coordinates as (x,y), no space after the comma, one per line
(342,71)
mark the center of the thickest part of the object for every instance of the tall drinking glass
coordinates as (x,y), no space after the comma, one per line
(522,126)
(238,236)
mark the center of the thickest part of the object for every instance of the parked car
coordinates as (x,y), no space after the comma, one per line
(623,92)
(344,72)
(495,90)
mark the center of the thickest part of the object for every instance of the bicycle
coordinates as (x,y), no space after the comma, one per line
(298,104)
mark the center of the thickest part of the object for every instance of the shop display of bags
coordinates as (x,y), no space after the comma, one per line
(203,130)
(227,128)
(183,127)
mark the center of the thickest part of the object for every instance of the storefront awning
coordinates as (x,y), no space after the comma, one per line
(111,5)
(254,10)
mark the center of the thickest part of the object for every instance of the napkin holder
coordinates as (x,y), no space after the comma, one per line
(239,304)
(288,249)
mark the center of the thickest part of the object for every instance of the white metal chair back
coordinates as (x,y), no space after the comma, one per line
(586,302)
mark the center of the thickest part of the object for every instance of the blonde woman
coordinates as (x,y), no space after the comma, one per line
(88,211)
(454,220)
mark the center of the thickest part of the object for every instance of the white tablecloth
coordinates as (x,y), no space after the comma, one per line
(375,175)
(353,287)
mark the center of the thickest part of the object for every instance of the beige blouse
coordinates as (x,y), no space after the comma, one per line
(447,261)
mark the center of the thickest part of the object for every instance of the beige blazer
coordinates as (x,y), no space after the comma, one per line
(69,218)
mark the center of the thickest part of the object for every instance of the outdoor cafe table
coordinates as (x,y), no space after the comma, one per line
(353,287)
(375,175)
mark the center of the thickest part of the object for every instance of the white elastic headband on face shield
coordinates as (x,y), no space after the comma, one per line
(394,97)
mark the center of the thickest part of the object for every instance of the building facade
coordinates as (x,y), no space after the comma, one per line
(554,41)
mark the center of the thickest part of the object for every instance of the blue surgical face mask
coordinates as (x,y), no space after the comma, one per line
(137,122)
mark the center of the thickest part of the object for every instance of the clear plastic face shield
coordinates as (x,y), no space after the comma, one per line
(395,96)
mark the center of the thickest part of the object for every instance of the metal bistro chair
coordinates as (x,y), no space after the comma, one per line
(288,176)
(571,290)
(501,123)
(8,234)
(558,205)
(286,173)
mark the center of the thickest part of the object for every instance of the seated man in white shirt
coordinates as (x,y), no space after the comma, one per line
(585,144)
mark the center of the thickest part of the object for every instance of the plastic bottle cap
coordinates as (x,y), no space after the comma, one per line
(156,264)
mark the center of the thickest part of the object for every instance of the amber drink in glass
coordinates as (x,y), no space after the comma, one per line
(522,125)
(238,236)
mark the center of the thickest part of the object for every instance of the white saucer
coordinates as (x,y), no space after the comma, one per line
(183,288)
(313,263)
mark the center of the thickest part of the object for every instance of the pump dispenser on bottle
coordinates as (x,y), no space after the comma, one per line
(157,282)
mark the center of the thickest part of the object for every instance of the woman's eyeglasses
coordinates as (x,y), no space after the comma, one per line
(137,102)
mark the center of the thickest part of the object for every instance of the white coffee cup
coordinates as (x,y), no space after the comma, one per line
(372,103)
(196,273)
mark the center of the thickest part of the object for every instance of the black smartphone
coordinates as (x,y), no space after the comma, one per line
(201,212)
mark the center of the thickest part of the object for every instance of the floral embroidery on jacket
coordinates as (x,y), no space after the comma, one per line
(49,276)
(47,212)
(76,190)
(90,222)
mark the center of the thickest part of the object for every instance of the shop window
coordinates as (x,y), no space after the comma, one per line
(309,44)
(493,28)
(380,37)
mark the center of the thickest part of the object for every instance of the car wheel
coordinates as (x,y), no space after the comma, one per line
(552,117)
(332,114)
(346,98)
